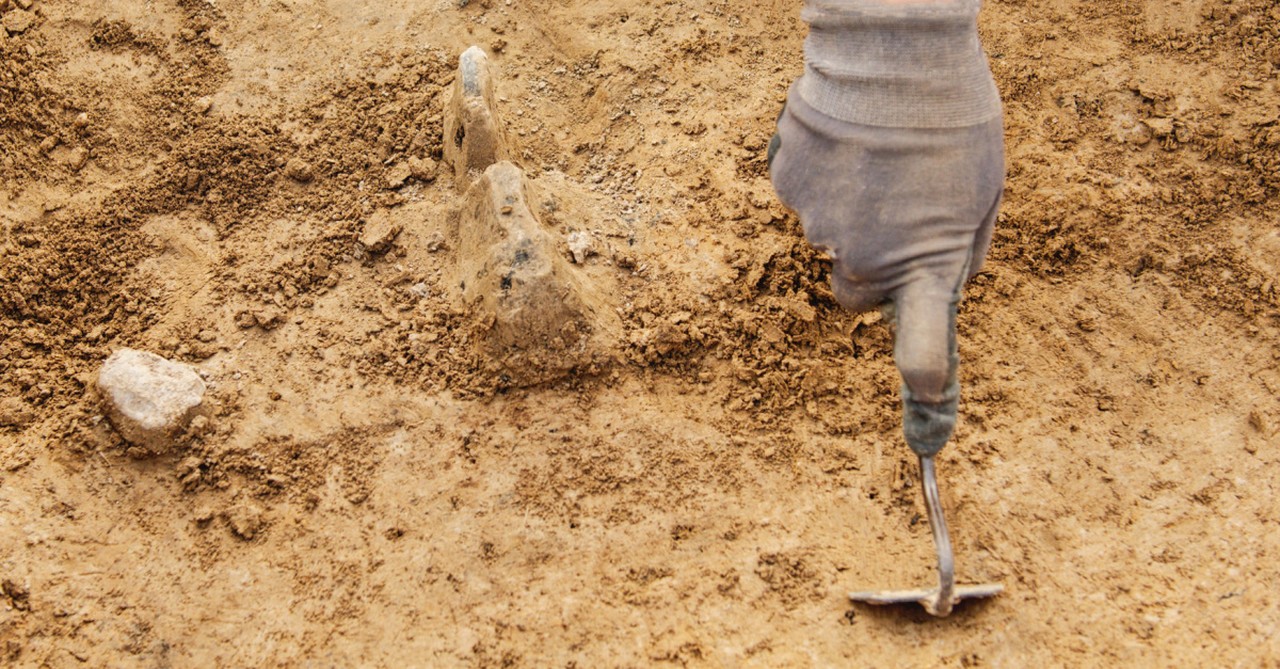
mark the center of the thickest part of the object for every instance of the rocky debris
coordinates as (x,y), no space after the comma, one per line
(473,136)
(299,170)
(536,319)
(77,158)
(379,233)
(14,412)
(149,400)
(18,21)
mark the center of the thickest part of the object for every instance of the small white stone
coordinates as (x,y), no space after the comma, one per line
(149,400)
(580,246)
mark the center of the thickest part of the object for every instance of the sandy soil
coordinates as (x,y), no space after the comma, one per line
(193,178)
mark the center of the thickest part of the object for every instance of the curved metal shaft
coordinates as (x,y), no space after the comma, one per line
(941,605)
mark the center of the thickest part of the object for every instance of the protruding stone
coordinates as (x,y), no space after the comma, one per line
(535,318)
(473,136)
(149,400)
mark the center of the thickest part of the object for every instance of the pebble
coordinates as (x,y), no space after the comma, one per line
(299,170)
(580,246)
(149,400)
(78,158)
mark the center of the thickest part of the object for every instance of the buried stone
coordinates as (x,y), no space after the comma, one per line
(537,318)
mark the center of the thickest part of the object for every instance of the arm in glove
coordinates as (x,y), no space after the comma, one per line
(890,150)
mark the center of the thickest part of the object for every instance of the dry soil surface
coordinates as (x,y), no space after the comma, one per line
(219,182)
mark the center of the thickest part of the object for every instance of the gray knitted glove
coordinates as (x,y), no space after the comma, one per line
(891,151)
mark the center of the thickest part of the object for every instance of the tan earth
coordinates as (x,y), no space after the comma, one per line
(221,182)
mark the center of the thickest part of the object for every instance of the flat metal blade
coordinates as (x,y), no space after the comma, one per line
(925,596)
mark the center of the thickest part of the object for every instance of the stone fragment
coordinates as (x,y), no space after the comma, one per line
(299,170)
(580,246)
(77,158)
(473,136)
(436,242)
(379,233)
(535,318)
(149,400)
(18,21)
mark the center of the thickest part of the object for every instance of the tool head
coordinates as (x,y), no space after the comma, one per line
(929,598)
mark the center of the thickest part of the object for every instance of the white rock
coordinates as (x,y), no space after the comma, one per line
(580,246)
(149,400)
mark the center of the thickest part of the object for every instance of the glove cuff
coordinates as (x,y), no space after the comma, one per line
(903,66)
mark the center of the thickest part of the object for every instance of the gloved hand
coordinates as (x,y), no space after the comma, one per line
(890,149)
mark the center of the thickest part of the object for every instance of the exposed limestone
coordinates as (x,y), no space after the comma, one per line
(149,400)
